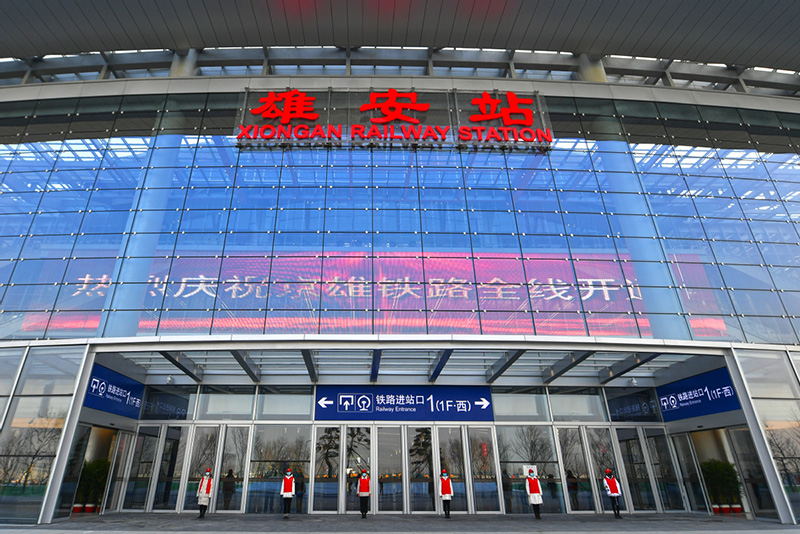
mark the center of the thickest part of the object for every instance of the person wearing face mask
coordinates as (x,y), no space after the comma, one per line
(446,492)
(613,490)
(287,492)
(204,493)
(364,492)
(534,491)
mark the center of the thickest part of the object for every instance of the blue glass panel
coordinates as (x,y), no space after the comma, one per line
(592,247)
(208,198)
(25,181)
(297,244)
(526,160)
(216,156)
(754,189)
(576,181)
(348,197)
(434,244)
(764,209)
(173,140)
(17,224)
(672,205)
(388,244)
(544,246)
(581,201)
(204,221)
(486,178)
(255,197)
(786,278)
(122,158)
(303,177)
(757,302)
(393,156)
(349,176)
(60,181)
(570,159)
(394,177)
(487,245)
(112,200)
(41,297)
(154,199)
(492,222)
(438,158)
(618,182)
(251,220)
(483,158)
(705,301)
(301,197)
(32,161)
(665,184)
(736,252)
(172,157)
(305,157)
(586,224)
(791,301)
(746,276)
(540,223)
(489,199)
(82,297)
(10,246)
(19,202)
(260,158)
(156,221)
(709,187)
(535,200)
(143,270)
(396,221)
(442,198)
(788,190)
(257,177)
(688,250)
(99,246)
(192,244)
(613,161)
(444,221)
(440,178)
(39,272)
(718,207)
(177,322)
(79,159)
(528,179)
(69,200)
(6,269)
(632,225)
(248,244)
(212,177)
(731,229)
(347,244)
(354,156)
(132,323)
(56,223)
(779,254)
(105,222)
(392,198)
(347,220)
(167,178)
(768,330)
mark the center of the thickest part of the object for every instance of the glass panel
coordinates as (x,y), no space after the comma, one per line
(234,452)
(451,455)
(226,402)
(768,374)
(204,453)
(690,475)
(390,470)
(484,477)
(664,470)
(114,495)
(520,404)
(358,458)
(519,446)
(50,371)
(169,402)
(635,469)
(144,453)
(169,473)
(326,473)
(579,484)
(755,483)
(632,404)
(420,462)
(72,474)
(288,402)
(600,448)
(577,404)
(276,447)
(9,363)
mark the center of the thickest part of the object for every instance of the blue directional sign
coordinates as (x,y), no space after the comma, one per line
(112,392)
(403,403)
(704,394)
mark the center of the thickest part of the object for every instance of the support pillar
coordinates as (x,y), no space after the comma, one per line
(184,63)
(591,69)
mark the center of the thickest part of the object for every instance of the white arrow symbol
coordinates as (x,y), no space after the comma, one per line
(483,403)
(324,402)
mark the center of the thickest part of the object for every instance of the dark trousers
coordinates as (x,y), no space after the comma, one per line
(446,507)
(615,506)
(287,505)
(364,506)
(537,510)
(203,509)
(299,506)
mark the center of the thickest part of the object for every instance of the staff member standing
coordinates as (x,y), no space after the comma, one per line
(534,490)
(287,492)
(204,493)
(446,492)
(613,490)
(363,492)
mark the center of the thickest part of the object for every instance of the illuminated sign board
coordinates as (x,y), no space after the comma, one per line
(392,116)
(705,394)
(111,392)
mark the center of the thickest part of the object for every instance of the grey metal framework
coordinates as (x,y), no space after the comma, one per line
(407,62)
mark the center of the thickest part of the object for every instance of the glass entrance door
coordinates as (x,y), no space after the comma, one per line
(204,456)
(639,485)
(451,457)
(421,475)
(389,470)
(359,440)
(326,469)
(116,479)
(484,471)
(141,471)
(232,469)
(580,497)
(170,468)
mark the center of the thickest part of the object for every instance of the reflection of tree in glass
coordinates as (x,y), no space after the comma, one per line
(272,456)
(482,466)
(421,453)
(451,454)
(328,452)
(358,447)
(27,450)
(785,445)
(600,448)
(205,448)
(529,445)
(572,451)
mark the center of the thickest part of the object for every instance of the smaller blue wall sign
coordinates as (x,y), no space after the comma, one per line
(112,392)
(403,403)
(704,394)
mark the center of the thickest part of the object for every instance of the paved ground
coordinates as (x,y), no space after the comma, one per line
(460,524)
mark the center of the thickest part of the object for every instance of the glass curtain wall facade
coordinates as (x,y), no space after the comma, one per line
(138,216)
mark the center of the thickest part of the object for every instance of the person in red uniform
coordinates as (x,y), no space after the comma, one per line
(534,490)
(287,492)
(613,490)
(363,492)
(446,492)
(204,493)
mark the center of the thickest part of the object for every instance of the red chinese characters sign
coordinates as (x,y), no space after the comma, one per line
(392,116)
